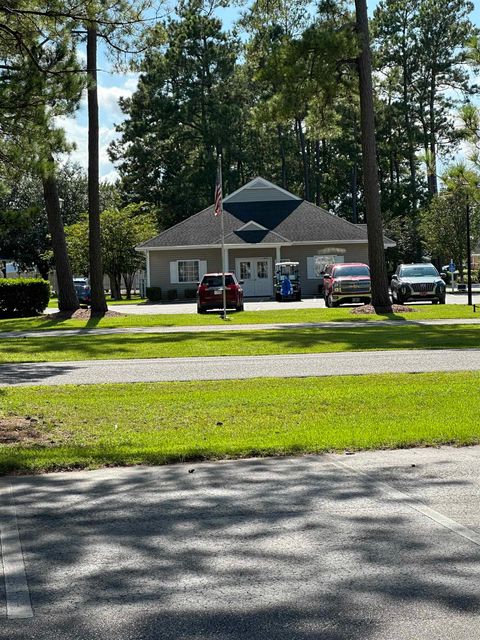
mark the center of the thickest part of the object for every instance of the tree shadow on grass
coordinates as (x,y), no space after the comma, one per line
(290,549)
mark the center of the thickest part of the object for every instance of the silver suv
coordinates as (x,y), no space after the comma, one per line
(417,282)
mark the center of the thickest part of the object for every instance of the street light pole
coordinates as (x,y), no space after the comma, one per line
(469,257)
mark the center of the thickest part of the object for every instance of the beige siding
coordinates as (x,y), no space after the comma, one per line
(160,267)
(160,262)
(300,253)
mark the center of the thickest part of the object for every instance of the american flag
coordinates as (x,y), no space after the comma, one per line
(218,188)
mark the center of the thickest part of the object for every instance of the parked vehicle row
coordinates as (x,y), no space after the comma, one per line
(343,283)
(350,282)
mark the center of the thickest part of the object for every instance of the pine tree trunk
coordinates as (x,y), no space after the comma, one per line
(354,194)
(432,173)
(67,296)
(282,156)
(318,174)
(303,148)
(99,305)
(376,253)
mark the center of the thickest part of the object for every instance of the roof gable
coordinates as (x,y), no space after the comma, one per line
(260,190)
(252,226)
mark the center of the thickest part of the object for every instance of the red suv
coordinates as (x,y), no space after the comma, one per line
(210,292)
(347,282)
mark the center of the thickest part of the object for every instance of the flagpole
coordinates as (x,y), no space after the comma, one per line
(223,240)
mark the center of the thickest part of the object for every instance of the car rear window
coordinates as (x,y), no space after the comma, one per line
(216,281)
(357,270)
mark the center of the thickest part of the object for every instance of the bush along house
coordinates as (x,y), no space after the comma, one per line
(263,224)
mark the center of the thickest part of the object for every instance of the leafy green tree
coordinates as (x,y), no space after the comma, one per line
(424,43)
(122,230)
(24,231)
(38,77)
(443,223)
(183,113)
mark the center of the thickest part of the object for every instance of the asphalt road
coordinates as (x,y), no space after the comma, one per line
(236,367)
(276,549)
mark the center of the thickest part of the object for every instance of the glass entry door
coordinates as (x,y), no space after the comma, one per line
(256,274)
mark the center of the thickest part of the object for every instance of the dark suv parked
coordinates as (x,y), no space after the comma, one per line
(417,282)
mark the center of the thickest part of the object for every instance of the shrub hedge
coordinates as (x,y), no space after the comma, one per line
(23,297)
(154,294)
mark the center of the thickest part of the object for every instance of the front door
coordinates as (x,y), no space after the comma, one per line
(256,274)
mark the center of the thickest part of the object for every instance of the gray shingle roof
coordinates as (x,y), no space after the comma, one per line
(293,220)
(386,239)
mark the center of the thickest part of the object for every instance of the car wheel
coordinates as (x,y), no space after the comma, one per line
(399,299)
(240,307)
(435,301)
(298,297)
(442,300)
(278,297)
(331,303)
(201,309)
(327,302)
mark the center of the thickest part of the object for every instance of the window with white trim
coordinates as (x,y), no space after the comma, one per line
(317,264)
(187,271)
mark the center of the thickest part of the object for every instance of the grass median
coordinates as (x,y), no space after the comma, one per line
(423,312)
(67,427)
(238,343)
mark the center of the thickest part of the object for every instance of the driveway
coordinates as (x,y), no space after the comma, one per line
(239,367)
(259,305)
(282,549)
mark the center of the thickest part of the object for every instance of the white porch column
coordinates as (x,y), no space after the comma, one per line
(147,261)
(227,266)
(278,257)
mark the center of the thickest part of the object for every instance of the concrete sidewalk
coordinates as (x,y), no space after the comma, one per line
(61,333)
(375,546)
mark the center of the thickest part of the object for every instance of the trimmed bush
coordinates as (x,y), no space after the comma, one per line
(154,294)
(23,297)
(172,294)
(190,294)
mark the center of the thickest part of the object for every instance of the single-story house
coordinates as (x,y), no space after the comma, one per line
(263,224)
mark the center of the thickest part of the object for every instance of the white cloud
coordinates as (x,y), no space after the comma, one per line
(76,129)
(108,98)
(111,177)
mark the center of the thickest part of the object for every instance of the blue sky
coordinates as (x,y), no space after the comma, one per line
(112,86)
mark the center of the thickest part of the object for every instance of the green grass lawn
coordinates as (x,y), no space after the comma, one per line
(74,426)
(247,343)
(425,312)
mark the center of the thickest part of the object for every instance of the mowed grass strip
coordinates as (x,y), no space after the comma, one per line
(245,343)
(74,427)
(423,312)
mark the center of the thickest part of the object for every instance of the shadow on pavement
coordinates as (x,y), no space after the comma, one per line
(251,550)
(32,373)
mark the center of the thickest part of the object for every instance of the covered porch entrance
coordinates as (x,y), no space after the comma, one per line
(257,276)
